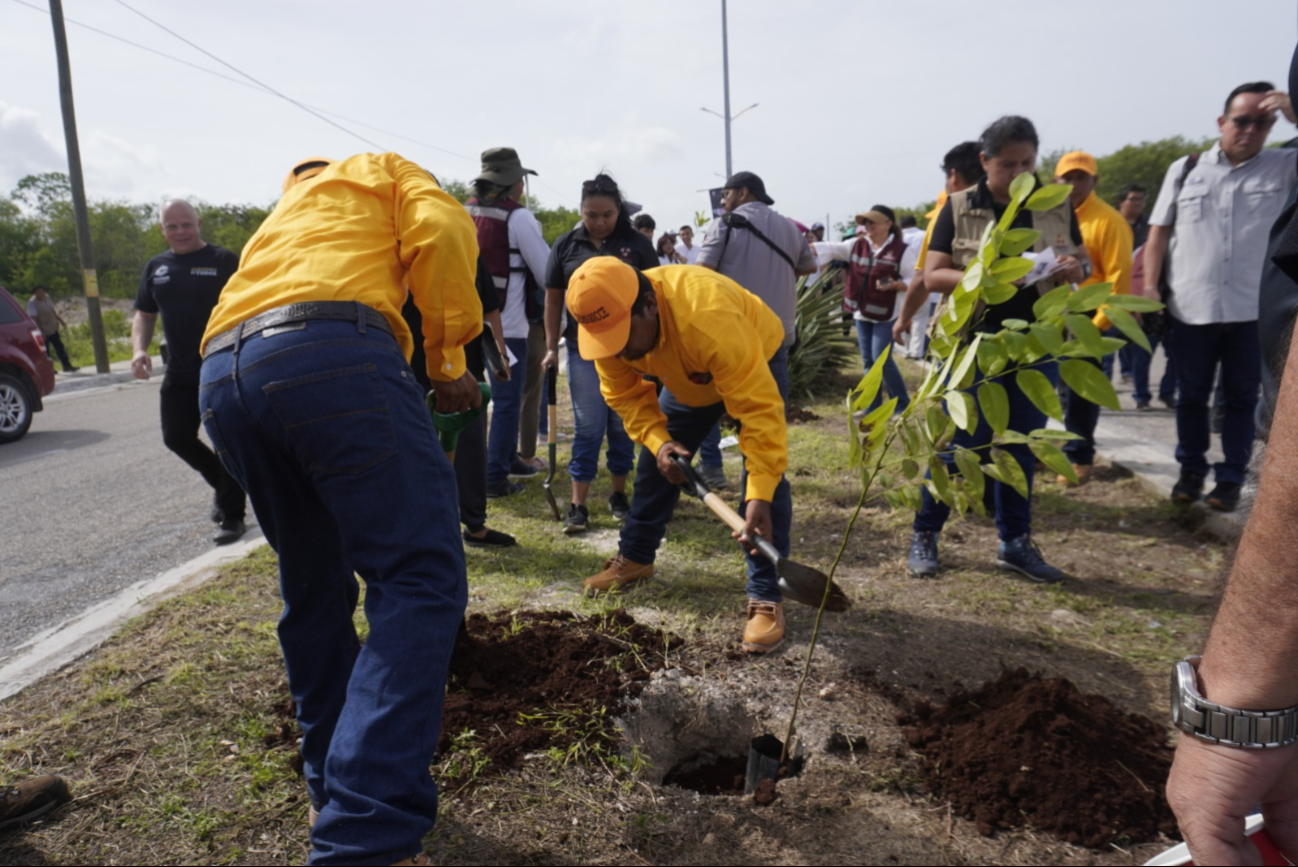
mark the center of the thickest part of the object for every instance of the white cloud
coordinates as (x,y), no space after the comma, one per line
(627,144)
(25,148)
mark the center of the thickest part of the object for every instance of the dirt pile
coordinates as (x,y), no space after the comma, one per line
(1028,751)
(538,680)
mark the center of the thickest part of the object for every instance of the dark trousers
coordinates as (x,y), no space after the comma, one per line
(53,344)
(471,474)
(180,421)
(1013,512)
(1199,351)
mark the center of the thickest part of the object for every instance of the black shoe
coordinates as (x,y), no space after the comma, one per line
(922,561)
(489,539)
(1167,401)
(521,469)
(577,520)
(32,799)
(1023,556)
(1188,487)
(231,530)
(504,489)
(619,505)
(1143,406)
(1224,497)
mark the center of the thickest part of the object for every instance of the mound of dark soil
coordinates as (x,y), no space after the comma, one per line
(569,672)
(797,415)
(1027,751)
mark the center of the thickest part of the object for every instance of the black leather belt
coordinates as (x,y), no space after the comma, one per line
(346,311)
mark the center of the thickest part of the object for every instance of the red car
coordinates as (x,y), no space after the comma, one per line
(26,372)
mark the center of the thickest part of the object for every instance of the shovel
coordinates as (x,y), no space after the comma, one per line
(798,583)
(450,424)
(551,436)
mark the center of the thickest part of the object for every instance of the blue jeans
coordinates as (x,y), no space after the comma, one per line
(655,497)
(506,409)
(327,428)
(593,420)
(1199,351)
(874,338)
(710,448)
(1013,512)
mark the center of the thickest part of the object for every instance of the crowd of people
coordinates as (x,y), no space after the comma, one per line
(309,375)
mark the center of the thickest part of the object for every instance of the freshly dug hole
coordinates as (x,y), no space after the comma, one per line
(1028,751)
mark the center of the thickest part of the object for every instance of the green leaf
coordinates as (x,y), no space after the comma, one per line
(971,469)
(992,357)
(1021,187)
(1016,344)
(1015,324)
(909,435)
(1011,437)
(855,451)
(1040,391)
(909,468)
(1052,456)
(868,388)
(1112,344)
(1018,241)
(1089,382)
(875,425)
(1085,331)
(897,500)
(1136,303)
(996,473)
(999,293)
(1048,336)
(1089,297)
(973,276)
(995,403)
(1011,473)
(1011,269)
(965,367)
(963,410)
(1130,328)
(937,422)
(1053,302)
(1049,197)
(939,479)
(1049,433)
(911,494)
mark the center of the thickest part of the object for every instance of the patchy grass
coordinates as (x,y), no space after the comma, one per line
(177,734)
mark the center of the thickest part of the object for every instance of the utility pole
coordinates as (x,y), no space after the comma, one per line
(78,189)
(725,78)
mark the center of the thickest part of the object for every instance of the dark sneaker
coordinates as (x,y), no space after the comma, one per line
(230,530)
(32,799)
(1143,406)
(619,505)
(1224,497)
(489,538)
(577,520)
(504,489)
(714,477)
(1188,488)
(922,562)
(1023,556)
(1167,401)
(519,468)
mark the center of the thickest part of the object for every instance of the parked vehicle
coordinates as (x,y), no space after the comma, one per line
(26,372)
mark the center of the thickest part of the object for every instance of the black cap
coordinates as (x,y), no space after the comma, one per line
(753,183)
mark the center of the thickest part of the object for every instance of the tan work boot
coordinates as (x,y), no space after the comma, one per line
(617,573)
(765,628)
(32,799)
(1083,472)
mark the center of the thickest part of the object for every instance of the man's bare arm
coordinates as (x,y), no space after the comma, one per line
(1155,256)
(141,336)
(553,316)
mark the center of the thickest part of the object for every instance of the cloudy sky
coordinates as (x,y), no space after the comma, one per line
(857,101)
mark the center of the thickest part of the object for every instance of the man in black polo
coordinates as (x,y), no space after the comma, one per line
(183,284)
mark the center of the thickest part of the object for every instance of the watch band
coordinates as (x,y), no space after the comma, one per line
(1228,726)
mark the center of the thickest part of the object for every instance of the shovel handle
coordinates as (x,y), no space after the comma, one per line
(552,404)
(721,508)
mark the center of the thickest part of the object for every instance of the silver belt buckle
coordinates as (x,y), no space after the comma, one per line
(280,329)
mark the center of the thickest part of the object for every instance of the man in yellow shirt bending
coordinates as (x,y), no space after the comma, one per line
(309,400)
(716,347)
(1107,236)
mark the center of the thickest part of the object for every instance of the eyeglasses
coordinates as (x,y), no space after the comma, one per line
(1266,121)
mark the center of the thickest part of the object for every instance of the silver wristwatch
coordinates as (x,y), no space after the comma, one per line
(1217,724)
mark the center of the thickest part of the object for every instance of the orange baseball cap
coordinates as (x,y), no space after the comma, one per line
(1076,161)
(600,295)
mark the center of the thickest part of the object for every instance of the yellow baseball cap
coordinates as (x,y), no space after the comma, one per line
(600,295)
(1076,161)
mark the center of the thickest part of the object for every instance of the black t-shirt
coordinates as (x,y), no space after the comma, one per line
(1020,305)
(575,247)
(184,289)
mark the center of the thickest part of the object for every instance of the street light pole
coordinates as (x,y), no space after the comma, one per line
(78,189)
(725,77)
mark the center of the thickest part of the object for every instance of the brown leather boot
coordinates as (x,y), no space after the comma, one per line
(765,628)
(32,799)
(618,572)
(1083,472)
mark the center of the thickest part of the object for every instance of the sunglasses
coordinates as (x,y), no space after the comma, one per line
(598,187)
(1266,121)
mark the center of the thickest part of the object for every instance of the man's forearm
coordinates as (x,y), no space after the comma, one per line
(915,298)
(142,331)
(1155,255)
(553,315)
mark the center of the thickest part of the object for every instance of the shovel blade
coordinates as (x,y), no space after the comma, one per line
(803,584)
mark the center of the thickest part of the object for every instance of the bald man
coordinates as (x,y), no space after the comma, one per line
(183,284)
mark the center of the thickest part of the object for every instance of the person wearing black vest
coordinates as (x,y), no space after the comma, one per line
(515,253)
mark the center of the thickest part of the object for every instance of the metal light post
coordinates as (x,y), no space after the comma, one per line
(725,78)
(78,189)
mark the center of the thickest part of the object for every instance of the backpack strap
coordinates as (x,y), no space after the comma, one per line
(739,221)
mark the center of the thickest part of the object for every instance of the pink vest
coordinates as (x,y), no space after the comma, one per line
(492,221)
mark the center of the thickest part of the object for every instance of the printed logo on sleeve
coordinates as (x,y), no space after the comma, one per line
(203,271)
(162,275)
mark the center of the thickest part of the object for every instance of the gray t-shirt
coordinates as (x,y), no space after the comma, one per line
(750,262)
(1220,220)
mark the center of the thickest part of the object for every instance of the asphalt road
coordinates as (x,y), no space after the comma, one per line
(93,502)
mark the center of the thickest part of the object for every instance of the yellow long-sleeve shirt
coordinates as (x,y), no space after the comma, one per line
(1107,237)
(365,229)
(715,342)
(931,217)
